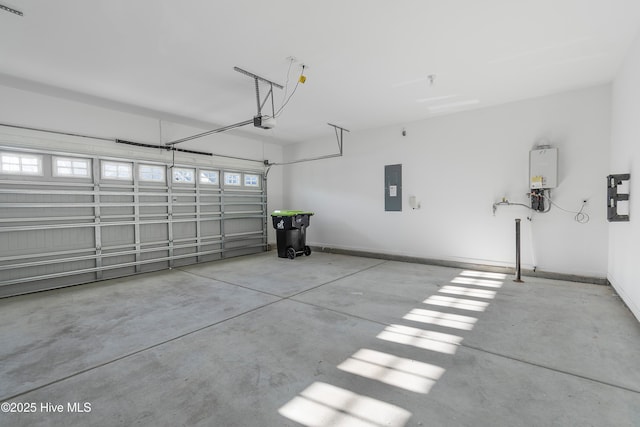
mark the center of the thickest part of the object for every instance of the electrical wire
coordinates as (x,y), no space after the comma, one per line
(284,104)
(286,85)
(580,216)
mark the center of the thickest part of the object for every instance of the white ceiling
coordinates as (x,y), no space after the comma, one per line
(368,60)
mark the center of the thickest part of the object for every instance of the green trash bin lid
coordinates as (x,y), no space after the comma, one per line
(290,213)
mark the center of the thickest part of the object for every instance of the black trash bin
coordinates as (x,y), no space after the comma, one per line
(291,227)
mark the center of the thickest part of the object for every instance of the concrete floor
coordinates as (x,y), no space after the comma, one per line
(325,340)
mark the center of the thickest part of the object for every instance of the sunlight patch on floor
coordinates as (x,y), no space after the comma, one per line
(439,318)
(484,274)
(397,371)
(459,303)
(325,405)
(469,292)
(421,338)
(477,282)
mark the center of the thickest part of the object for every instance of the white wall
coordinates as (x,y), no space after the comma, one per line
(31,109)
(624,237)
(458,166)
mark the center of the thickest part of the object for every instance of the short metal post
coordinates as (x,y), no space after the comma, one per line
(518,267)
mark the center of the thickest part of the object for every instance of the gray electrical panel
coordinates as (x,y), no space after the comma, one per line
(393,188)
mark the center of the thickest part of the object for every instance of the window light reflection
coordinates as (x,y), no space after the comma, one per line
(448,320)
(393,370)
(484,274)
(469,292)
(428,340)
(460,303)
(325,405)
(477,282)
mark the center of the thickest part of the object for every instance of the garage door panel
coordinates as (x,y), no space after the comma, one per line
(72,231)
(184,229)
(18,243)
(210,228)
(118,235)
(154,232)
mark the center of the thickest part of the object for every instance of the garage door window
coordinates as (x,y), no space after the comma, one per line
(209,177)
(151,173)
(117,170)
(71,167)
(185,176)
(20,164)
(251,180)
(231,178)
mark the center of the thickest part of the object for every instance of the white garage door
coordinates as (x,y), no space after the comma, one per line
(67,219)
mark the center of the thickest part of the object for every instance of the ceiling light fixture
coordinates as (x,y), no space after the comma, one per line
(9,9)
